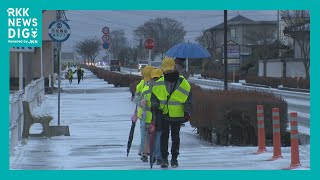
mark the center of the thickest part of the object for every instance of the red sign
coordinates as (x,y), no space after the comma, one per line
(105,38)
(149,44)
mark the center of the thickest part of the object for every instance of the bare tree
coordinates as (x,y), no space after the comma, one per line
(88,49)
(165,32)
(208,40)
(263,42)
(298,27)
(118,42)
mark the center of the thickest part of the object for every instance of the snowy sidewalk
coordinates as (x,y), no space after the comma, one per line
(98,116)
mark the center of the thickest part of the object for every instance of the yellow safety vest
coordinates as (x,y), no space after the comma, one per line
(139,88)
(146,94)
(174,106)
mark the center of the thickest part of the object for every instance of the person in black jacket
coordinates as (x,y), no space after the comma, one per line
(79,73)
(172,95)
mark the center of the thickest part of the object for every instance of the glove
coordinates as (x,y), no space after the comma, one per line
(143,102)
(151,127)
(186,116)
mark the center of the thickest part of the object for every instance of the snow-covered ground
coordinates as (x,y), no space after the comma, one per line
(98,116)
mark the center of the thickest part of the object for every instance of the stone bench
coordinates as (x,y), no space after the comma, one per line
(29,120)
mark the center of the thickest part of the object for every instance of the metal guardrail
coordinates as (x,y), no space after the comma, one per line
(34,94)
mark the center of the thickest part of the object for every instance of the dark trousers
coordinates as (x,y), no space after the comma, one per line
(79,78)
(175,138)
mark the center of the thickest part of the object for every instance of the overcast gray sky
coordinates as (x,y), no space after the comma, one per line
(86,24)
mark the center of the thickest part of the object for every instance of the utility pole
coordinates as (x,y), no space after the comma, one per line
(225,50)
(278,18)
(58,18)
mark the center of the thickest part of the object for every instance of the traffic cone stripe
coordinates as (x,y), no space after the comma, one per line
(260,115)
(276,126)
(259,111)
(293,123)
(261,126)
(294,136)
(276,130)
(294,128)
(276,117)
(276,122)
(275,110)
(259,107)
(293,114)
(261,118)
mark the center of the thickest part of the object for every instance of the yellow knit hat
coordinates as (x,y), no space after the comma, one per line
(147,73)
(156,73)
(167,64)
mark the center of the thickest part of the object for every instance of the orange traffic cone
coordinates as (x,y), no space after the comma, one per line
(261,131)
(276,134)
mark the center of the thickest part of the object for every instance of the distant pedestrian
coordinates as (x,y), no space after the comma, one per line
(171,94)
(70,75)
(79,73)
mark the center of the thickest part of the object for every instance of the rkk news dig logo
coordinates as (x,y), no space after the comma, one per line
(23,28)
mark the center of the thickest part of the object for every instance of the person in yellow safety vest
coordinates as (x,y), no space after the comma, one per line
(142,114)
(172,95)
(70,75)
(155,125)
(146,102)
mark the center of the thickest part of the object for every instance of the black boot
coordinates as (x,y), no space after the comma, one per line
(159,161)
(165,163)
(174,162)
(144,158)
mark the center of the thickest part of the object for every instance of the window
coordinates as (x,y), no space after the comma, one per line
(233,33)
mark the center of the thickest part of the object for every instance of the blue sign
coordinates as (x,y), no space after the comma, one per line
(59,31)
(105,45)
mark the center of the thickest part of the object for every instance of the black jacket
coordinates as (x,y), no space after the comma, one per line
(79,72)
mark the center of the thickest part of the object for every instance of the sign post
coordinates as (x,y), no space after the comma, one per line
(59,31)
(149,44)
(105,38)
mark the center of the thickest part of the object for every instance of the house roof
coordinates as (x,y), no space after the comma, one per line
(240,20)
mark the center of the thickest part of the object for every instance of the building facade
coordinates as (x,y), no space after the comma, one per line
(239,29)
